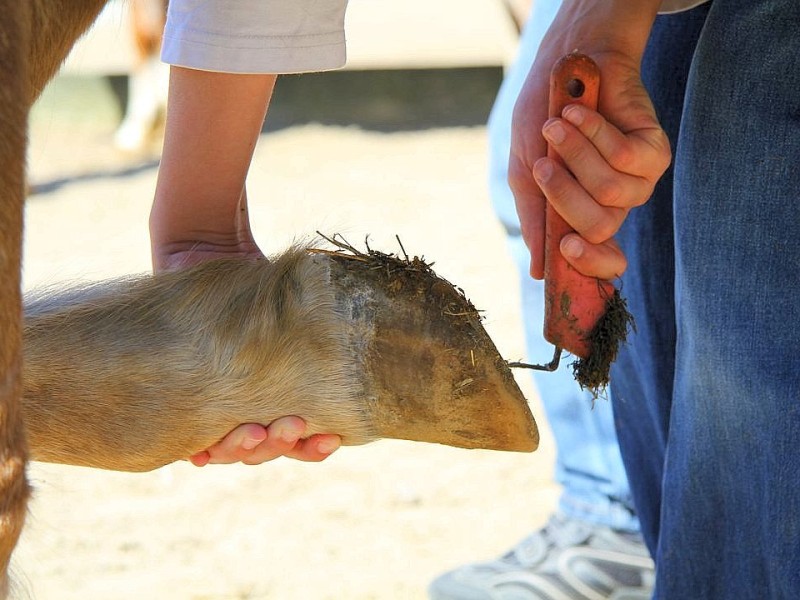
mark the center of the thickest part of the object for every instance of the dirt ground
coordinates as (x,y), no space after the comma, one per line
(378,521)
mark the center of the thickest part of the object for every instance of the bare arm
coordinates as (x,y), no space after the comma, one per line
(200,213)
(200,207)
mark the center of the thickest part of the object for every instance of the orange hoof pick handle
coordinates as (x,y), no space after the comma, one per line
(577,307)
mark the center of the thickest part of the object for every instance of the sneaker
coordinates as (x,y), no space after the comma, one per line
(567,559)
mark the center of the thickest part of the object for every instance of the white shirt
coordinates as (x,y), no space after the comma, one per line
(255,36)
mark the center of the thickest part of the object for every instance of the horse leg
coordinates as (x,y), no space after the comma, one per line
(14,490)
(35,36)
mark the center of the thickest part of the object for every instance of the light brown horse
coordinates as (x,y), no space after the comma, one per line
(136,373)
(35,37)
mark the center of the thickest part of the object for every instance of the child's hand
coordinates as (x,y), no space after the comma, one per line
(613,161)
(254,444)
(249,443)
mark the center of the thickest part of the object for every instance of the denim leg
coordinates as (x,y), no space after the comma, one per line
(729,436)
(588,465)
(732,481)
(642,377)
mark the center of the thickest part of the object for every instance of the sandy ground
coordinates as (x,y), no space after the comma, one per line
(378,521)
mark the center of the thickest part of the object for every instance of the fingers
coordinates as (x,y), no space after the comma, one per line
(604,174)
(604,261)
(284,439)
(527,145)
(530,204)
(617,169)
(595,222)
(253,444)
(201,459)
(315,448)
(592,250)
(282,436)
(235,446)
(641,152)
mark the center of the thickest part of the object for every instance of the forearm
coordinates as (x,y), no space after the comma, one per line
(213,123)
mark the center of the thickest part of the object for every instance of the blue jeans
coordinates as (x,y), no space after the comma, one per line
(707,391)
(588,465)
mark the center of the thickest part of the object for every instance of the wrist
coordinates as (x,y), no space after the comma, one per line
(181,254)
(593,27)
(186,233)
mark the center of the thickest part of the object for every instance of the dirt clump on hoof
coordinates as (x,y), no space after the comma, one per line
(432,373)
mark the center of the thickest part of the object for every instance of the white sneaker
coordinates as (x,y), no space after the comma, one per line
(567,559)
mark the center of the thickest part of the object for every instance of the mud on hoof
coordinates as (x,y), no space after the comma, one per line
(431,373)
